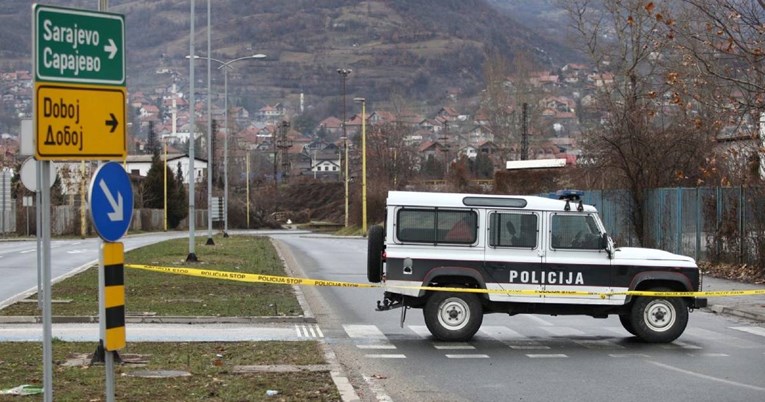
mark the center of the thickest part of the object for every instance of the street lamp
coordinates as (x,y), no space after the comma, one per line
(225,66)
(192,257)
(363,164)
(344,73)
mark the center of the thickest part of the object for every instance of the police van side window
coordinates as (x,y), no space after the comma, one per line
(514,230)
(574,232)
(437,226)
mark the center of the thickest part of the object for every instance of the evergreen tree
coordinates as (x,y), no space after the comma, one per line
(153,185)
(177,202)
(153,145)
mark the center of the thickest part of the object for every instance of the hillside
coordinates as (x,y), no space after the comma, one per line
(411,48)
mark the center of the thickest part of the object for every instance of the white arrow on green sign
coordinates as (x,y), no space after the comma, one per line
(79,46)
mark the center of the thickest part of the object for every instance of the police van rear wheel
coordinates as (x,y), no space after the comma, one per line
(453,317)
(659,319)
(375,245)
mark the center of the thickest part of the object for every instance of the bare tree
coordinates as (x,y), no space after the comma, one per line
(726,41)
(497,102)
(647,136)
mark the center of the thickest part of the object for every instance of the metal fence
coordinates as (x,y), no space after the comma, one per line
(721,224)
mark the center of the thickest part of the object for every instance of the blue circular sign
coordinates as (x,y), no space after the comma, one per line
(111,201)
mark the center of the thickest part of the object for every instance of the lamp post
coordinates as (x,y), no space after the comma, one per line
(344,73)
(363,164)
(210,241)
(225,66)
(164,175)
(247,186)
(192,257)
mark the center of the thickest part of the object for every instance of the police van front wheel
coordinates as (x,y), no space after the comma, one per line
(453,317)
(659,319)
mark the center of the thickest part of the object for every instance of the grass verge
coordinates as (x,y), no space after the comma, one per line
(211,378)
(162,294)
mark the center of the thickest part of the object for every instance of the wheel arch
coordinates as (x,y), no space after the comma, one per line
(454,276)
(673,281)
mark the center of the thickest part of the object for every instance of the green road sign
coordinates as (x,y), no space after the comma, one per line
(78,46)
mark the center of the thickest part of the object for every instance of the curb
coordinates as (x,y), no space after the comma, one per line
(32,319)
(737,312)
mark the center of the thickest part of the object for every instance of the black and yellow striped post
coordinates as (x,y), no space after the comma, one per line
(112,292)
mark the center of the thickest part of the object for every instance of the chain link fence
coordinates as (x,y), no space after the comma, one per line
(720,224)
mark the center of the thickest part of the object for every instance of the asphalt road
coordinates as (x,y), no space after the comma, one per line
(18,261)
(520,358)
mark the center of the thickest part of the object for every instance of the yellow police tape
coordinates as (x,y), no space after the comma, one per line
(288,280)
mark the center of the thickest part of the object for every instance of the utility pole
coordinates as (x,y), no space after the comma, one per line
(344,73)
(525,133)
(283,143)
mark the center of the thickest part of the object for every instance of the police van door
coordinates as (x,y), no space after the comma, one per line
(574,260)
(513,255)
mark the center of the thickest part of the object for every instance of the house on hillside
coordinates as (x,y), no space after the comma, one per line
(325,164)
(331,126)
(140,165)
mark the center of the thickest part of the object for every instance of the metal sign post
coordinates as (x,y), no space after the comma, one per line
(78,58)
(111,209)
(46,287)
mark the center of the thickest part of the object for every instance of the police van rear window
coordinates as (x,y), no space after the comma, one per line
(437,226)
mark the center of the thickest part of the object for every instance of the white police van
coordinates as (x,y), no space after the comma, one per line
(520,255)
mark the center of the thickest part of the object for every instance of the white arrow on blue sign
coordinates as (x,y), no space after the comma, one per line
(111,201)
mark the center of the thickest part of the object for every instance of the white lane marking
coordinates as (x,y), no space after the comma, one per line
(546,356)
(28,251)
(363,331)
(468,356)
(680,345)
(511,338)
(386,356)
(719,337)
(539,320)
(618,330)
(752,330)
(620,355)
(375,338)
(602,344)
(707,355)
(566,332)
(421,330)
(453,346)
(706,377)
(308,331)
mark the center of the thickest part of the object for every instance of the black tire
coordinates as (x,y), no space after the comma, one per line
(659,319)
(627,323)
(375,246)
(453,317)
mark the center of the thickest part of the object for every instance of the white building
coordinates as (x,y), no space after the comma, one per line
(140,165)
